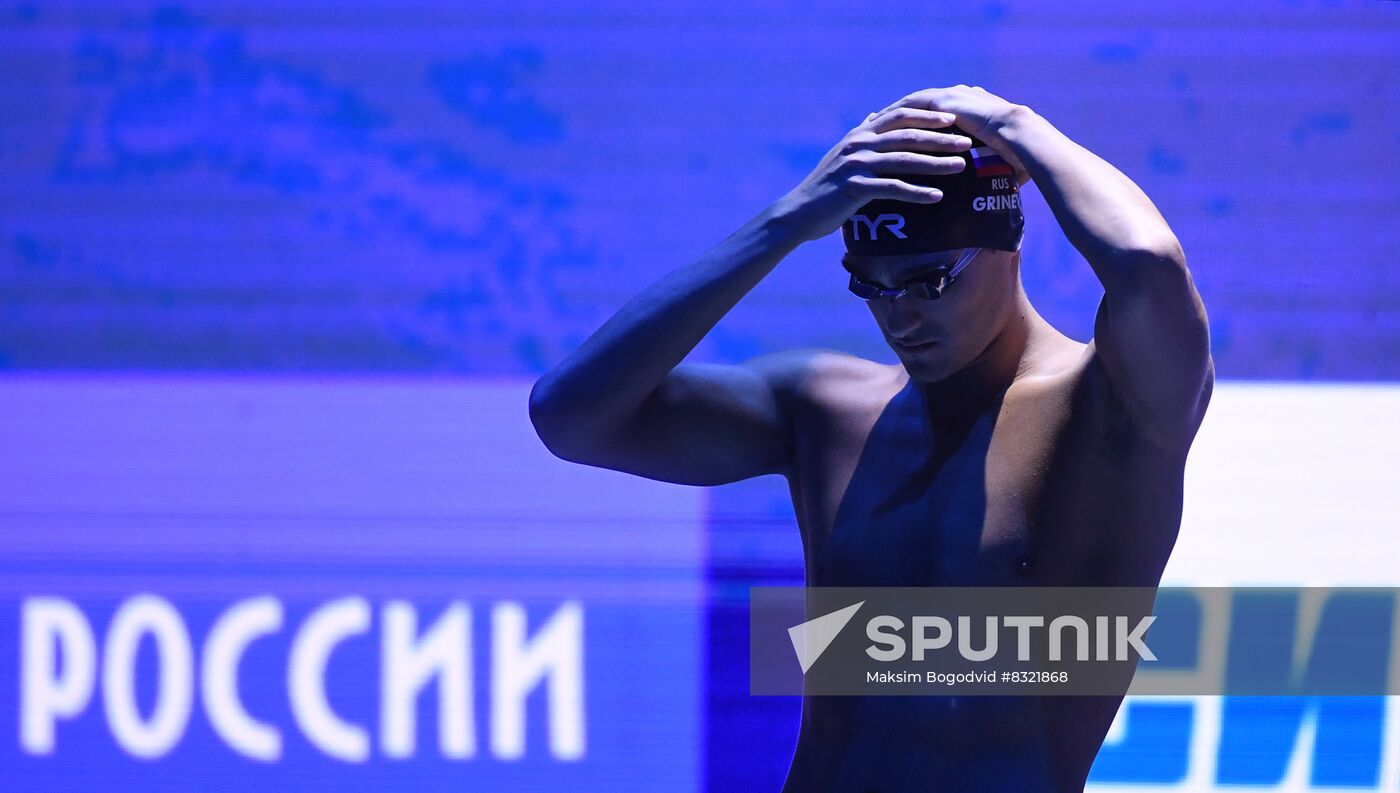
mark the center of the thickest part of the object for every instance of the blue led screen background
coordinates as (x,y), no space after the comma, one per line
(275,279)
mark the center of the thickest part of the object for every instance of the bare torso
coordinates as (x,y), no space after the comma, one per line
(1018,465)
(1049,485)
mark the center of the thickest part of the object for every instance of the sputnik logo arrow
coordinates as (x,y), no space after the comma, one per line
(811,638)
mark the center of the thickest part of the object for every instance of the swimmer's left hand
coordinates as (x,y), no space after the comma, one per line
(979,113)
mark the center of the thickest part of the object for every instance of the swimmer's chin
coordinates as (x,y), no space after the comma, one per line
(926,363)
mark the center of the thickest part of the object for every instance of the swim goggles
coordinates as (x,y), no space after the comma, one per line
(928,289)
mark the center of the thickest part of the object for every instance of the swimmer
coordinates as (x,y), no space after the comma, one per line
(996,452)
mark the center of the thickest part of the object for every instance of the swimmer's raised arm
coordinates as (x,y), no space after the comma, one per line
(1151,334)
(625,401)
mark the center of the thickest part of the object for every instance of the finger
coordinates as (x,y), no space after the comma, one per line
(911,139)
(873,187)
(906,101)
(894,163)
(922,100)
(906,117)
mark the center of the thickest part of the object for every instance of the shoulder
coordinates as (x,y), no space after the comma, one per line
(817,377)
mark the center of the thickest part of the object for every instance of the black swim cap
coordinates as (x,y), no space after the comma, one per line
(981,208)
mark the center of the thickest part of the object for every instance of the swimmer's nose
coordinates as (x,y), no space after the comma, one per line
(903,318)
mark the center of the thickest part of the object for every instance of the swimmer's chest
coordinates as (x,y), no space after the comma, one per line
(890,506)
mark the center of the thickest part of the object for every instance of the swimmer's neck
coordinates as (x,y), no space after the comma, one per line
(1023,341)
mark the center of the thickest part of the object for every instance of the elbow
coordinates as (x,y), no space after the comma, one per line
(557,421)
(1153,266)
(546,416)
(1161,253)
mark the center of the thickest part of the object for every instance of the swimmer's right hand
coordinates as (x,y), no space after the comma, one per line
(863,165)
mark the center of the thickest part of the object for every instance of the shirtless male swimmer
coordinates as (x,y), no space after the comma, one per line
(997,452)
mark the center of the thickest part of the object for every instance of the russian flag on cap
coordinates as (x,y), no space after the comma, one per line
(986,162)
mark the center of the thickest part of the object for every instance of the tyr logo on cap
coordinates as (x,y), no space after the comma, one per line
(895,221)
